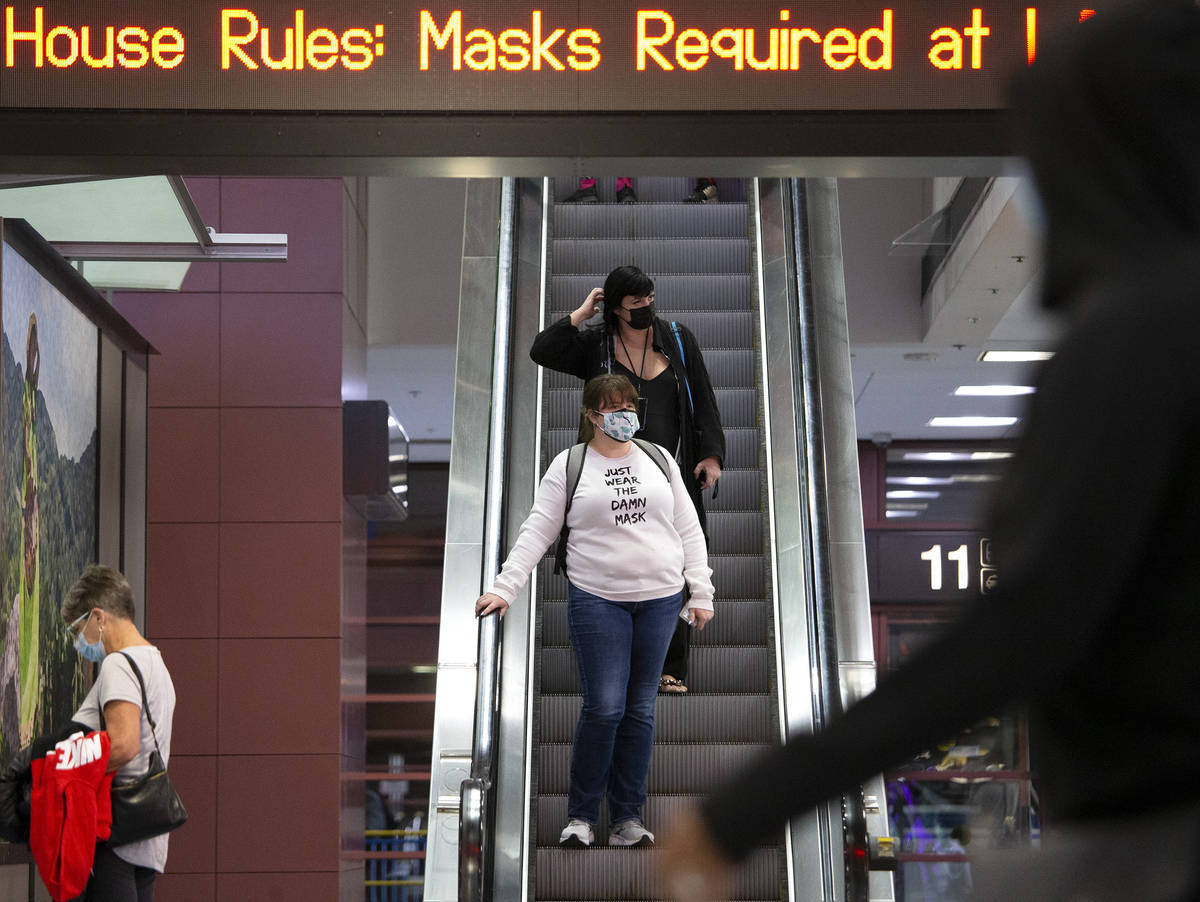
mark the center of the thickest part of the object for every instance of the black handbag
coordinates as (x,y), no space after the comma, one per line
(149,806)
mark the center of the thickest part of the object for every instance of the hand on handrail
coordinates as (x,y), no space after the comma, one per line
(489,602)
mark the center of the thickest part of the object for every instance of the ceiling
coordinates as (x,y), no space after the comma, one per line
(912,349)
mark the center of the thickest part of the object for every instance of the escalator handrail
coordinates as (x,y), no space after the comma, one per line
(475,793)
(824,616)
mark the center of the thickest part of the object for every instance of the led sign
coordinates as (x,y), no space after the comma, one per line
(505,56)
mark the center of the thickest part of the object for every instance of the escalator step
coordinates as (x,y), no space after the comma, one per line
(660,812)
(736,669)
(654,255)
(740,490)
(674,769)
(677,718)
(628,874)
(734,623)
(610,221)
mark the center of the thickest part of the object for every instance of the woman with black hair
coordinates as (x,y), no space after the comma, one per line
(678,407)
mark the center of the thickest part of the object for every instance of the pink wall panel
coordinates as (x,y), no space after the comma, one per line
(181,580)
(185,329)
(308,210)
(280,579)
(281,350)
(245,572)
(194,665)
(280,464)
(206,194)
(278,813)
(312,887)
(279,696)
(193,847)
(186,887)
(184,454)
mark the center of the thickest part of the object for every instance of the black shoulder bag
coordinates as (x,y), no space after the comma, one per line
(149,806)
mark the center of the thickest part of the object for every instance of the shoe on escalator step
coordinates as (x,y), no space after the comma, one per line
(577,834)
(631,832)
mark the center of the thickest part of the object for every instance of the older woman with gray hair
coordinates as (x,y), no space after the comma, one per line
(99,614)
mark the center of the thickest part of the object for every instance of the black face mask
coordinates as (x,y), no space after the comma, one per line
(641,317)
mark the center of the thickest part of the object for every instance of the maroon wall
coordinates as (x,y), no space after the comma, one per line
(245,583)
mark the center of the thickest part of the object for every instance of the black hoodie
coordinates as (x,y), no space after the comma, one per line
(1096,627)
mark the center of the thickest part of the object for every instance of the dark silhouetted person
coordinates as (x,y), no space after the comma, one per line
(1096,622)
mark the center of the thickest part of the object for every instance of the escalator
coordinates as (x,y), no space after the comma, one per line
(700,258)
(790,643)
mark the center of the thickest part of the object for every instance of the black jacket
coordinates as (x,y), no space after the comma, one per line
(1096,623)
(589,352)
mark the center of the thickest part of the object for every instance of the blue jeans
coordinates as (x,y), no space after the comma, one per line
(619,648)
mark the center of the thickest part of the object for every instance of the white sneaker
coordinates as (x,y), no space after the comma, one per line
(577,834)
(631,832)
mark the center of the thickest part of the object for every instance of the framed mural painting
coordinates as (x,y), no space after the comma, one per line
(54,329)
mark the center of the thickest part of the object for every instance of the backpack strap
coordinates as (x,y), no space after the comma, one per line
(682,359)
(652,451)
(686,383)
(574,471)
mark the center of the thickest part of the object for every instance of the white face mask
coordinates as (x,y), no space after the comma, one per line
(619,425)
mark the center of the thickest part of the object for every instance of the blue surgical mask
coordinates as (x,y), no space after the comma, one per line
(91,651)
(620,425)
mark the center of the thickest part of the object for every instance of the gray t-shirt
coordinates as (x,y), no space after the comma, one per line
(117,682)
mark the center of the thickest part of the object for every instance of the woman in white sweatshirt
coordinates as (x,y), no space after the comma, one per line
(634,542)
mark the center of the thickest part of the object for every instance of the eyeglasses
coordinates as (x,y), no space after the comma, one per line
(71,631)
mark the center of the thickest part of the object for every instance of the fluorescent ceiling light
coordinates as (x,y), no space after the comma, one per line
(920,480)
(940,456)
(907,505)
(893,515)
(972,422)
(975,477)
(1015,356)
(907,493)
(993,391)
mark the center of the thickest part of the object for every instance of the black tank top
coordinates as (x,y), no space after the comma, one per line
(660,416)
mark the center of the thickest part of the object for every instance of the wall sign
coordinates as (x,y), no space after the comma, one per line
(929,566)
(501,55)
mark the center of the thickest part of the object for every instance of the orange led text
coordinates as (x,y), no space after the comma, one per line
(103,47)
(511,49)
(947,53)
(771,49)
(247,41)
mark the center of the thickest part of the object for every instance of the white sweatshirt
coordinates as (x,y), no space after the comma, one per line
(633,536)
